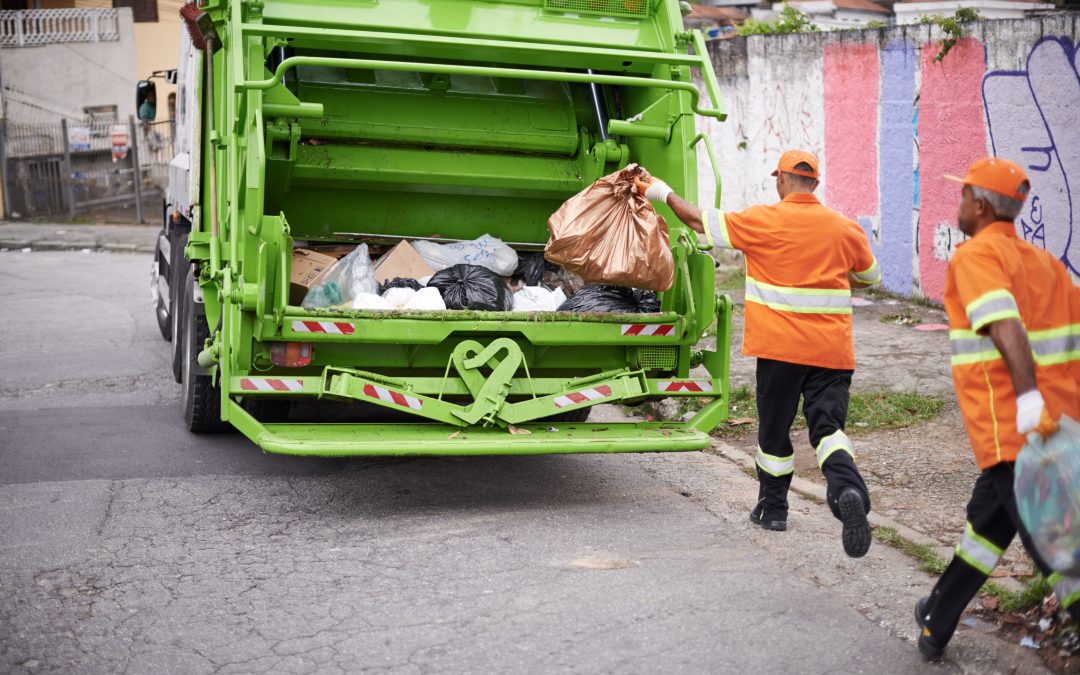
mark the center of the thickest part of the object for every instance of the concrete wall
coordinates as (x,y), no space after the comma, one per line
(51,81)
(887,121)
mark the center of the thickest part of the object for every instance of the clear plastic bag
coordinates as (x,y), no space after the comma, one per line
(486,251)
(351,277)
(1047,487)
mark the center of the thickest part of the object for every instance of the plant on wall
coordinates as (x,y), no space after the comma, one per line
(791,21)
(952,26)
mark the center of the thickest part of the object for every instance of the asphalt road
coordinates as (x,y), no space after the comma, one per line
(128,545)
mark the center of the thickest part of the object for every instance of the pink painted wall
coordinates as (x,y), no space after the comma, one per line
(952,134)
(851,129)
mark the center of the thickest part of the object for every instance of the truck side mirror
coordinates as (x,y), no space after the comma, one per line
(146,100)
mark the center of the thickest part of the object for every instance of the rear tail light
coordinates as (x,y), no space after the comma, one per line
(291,354)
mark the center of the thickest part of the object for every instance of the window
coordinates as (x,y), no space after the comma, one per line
(101,113)
(141,10)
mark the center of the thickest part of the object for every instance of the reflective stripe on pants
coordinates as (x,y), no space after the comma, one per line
(978,551)
(837,440)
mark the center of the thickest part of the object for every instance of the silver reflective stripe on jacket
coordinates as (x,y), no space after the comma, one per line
(870,275)
(799,300)
(991,307)
(1048,347)
(717,224)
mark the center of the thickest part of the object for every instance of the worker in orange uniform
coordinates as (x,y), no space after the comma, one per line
(802,260)
(1014,318)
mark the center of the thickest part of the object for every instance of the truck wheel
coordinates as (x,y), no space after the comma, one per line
(201,399)
(162,306)
(571,416)
(178,272)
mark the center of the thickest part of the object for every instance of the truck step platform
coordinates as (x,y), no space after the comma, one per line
(356,440)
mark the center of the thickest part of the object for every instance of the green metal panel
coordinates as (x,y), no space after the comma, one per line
(453,118)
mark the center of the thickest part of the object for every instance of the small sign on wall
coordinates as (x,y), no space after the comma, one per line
(79,139)
(118,136)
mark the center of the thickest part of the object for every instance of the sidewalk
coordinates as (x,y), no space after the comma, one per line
(19,235)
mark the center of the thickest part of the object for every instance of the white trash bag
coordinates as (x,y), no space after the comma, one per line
(426,298)
(486,251)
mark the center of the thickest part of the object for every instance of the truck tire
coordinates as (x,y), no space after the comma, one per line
(178,272)
(200,398)
(163,305)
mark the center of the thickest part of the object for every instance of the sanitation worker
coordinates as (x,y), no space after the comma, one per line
(802,259)
(1014,317)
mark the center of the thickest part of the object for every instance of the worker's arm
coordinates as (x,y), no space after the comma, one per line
(1011,340)
(658,190)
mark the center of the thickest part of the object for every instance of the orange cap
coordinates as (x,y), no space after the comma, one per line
(789,159)
(997,175)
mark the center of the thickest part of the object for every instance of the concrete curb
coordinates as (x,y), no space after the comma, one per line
(817,492)
(69,245)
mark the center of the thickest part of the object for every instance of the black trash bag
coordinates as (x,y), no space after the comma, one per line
(472,287)
(399,282)
(531,267)
(608,298)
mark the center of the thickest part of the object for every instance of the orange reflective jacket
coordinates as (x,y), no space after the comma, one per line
(799,255)
(996,276)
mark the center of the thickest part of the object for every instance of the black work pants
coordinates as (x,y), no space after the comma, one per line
(825,402)
(993,521)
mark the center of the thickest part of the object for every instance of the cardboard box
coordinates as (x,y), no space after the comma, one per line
(308,269)
(401,261)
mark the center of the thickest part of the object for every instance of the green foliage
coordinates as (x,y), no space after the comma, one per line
(867,411)
(875,24)
(791,21)
(952,26)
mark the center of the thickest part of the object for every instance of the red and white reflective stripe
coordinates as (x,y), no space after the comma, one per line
(657,329)
(582,396)
(270,384)
(328,327)
(394,397)
(689,385)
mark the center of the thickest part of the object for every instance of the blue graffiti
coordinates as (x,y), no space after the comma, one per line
(1032,118)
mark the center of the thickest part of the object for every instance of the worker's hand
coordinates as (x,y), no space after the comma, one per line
(1031,415)
(654,189)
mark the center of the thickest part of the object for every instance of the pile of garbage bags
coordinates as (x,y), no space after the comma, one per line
(484,274)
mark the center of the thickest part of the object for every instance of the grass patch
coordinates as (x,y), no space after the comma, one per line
(879,293)
(733,279)
(876,411)
(871,411)
(929,560)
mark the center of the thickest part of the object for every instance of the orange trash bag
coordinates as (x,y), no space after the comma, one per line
(610,233)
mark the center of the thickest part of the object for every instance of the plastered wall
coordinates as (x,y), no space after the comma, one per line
(887,121)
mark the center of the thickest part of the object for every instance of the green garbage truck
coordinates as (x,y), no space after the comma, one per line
(320,125)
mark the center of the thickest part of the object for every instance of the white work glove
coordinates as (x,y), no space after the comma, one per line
(658,191)
(1031,414)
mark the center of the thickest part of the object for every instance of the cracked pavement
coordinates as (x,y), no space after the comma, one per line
(128,545)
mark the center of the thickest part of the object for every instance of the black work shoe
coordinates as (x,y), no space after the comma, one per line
(856,536)
(757,516)
(927,645)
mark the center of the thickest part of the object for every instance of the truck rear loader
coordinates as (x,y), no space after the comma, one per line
(312,122)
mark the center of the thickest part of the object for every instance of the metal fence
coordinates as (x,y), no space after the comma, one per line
(71,166)
(30,27)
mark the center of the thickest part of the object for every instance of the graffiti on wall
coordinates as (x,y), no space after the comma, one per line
(1033,117)
(890,122)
